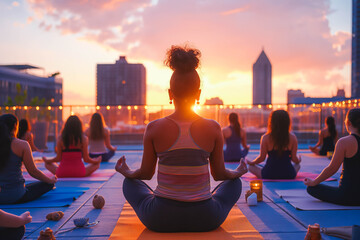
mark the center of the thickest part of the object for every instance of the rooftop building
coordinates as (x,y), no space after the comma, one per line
(121,83)
(48,88)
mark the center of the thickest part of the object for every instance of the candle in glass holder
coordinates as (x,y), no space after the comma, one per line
(256,186)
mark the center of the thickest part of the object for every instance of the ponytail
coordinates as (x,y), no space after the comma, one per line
(234,120)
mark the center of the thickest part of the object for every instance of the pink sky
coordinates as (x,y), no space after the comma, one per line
(296,36)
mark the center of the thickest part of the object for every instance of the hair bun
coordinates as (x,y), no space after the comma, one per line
(182,59)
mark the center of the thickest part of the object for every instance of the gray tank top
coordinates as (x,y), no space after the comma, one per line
(12,182)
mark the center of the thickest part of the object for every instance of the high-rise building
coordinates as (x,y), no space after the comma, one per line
(35,85)
(355,50)
(121,83)
(262,80)
(293,94)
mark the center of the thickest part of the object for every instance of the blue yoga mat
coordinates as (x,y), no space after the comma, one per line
(59,197)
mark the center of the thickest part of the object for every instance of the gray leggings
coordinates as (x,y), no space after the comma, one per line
(166,215)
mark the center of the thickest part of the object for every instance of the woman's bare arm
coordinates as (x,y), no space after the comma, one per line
(294,148)
(30,165)
(263,150)
(217,166)
(320,141)
(31,142)
(334,165)
(148,164)
(57,158)
(85,152)
(243,139)
(107,140)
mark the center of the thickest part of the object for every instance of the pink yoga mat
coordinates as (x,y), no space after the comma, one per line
(98,175)
(300,177)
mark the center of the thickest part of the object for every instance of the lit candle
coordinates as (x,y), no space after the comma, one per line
(256,186)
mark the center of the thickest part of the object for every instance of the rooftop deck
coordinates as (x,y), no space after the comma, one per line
(273,218)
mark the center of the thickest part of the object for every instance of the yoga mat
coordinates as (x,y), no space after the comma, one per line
(236,226)
(339,232)
(60,198)
(299,177)
(301,200)
(98,175)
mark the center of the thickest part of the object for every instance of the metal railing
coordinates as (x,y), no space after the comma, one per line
(127,123)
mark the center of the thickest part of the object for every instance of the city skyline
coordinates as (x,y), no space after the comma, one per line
(309,43)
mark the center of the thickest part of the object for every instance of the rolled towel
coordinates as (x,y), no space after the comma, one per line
(344,232)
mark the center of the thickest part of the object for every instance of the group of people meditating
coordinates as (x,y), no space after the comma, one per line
(72,149)
(187,149)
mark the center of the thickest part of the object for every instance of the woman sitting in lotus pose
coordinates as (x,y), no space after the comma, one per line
(99,139)
(25,134)
(72,148)
(185,145)
(327,138)
(347,153)
(234,136)
(280,146)
(14,152)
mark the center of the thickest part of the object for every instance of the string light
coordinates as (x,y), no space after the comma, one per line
(37,108)
(128,107)
(107,107)
(135,107)
(97,107)
(60,107)
(119,107)
(49,108)
(25,107)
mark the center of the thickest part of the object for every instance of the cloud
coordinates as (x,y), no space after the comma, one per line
(295,34)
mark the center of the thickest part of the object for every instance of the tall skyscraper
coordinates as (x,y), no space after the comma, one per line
(355,50)
(262,80)
(121,83)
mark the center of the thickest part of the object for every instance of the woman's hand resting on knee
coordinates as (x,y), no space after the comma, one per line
(242,168)
(122,167)
(309,182)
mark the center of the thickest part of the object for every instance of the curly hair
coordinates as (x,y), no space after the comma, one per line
(184,61)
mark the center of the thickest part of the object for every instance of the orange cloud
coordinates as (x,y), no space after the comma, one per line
(295,34)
